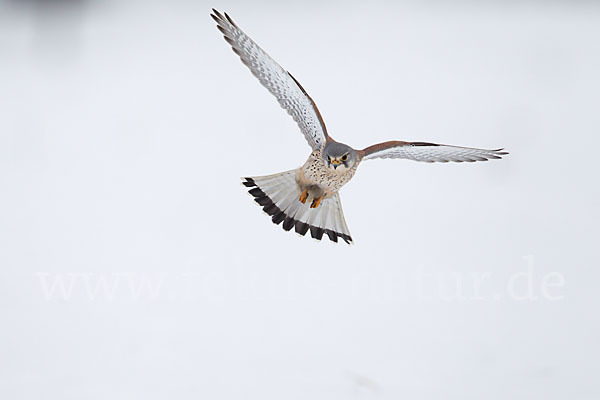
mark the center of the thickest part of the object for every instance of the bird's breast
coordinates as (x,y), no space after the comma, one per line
(315,172)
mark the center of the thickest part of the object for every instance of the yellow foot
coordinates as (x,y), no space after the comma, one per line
(303,197)
(316,202)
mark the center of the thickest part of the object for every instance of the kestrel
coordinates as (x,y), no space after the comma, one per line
(307,198)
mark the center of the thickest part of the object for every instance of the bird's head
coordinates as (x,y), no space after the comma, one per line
(339,157)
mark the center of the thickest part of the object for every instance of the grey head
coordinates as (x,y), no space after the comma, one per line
(339,157)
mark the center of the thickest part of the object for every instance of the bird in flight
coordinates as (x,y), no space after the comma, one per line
(307,198)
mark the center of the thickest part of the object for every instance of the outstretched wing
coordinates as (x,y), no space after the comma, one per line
(290,95)
(429,152)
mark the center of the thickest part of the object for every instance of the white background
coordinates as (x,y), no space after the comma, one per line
(126,125)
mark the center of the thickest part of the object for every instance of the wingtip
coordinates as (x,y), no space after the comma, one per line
(217,14)
(230,20)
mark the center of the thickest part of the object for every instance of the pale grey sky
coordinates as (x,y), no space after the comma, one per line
(126,126)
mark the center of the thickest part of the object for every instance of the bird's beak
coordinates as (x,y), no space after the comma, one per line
(335,162)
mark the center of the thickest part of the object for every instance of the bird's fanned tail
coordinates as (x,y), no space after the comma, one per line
(279,195)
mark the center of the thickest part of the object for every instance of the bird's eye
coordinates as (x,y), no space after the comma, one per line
(344,157)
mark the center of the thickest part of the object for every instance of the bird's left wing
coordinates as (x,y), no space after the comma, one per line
(428,152)
(290,95)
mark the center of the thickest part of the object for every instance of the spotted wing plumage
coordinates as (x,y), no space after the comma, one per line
(429,152)
(290,95)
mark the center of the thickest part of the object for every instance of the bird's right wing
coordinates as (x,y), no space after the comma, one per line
(290,95)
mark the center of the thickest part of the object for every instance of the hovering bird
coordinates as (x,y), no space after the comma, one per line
(307,198)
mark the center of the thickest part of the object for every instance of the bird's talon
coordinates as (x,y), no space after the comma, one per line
(303,196)
(316,202)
